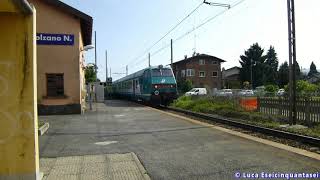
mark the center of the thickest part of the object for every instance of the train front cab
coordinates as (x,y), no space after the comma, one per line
(163,85)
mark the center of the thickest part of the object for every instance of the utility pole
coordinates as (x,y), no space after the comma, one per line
(106,66)
(292,62)
(95,54)
(127,70)
(171,53)
(110,72)
(149,59)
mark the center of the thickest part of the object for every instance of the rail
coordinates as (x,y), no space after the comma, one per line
(273,132)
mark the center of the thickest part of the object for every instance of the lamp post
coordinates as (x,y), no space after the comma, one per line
(86,48)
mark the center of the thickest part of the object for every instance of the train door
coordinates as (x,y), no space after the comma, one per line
(134,87)
(146,82)
(137,87)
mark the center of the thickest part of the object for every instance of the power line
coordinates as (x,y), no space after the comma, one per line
(185,34)
(208,20)
(173,28)
(190,31)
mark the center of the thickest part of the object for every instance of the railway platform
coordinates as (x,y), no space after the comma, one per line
(169,147)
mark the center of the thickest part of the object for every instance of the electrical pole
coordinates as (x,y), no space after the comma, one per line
(95,55)
(149,59)
(106,66)
(292,62)
(110,72)
(171,53)
(127,70)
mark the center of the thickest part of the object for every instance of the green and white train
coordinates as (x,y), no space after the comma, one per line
(155,85)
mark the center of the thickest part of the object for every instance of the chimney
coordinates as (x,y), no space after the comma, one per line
(185,56)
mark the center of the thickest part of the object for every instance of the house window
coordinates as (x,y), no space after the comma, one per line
(214,74)
(202,74)
(202,62)
(55,85)
(190,72)
(183,73)
(214,62)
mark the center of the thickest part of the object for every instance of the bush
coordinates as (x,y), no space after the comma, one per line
(203,104)
(304,88)
(271,88)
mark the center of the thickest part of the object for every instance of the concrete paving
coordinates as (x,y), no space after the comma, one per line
(106,166)
(168,147)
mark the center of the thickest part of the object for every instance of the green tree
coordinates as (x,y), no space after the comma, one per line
(271,68)
(299,74)
(184,86)
(283,74)
(90,74)
(246,85)
(253,57)
(313,69)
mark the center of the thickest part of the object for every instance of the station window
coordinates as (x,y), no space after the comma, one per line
(214,74)
(214,62)
(202,74)
(190,72)
(202,62)
(55,85)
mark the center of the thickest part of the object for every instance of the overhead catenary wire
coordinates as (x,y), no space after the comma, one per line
(185,34)
(172,29)
(190,31)
(208,20)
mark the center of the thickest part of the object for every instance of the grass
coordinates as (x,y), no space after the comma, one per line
(229,108)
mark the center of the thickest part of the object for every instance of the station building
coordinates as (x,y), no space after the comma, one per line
(62,32)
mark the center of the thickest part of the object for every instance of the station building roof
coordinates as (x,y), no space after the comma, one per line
(85,20)
(197,56)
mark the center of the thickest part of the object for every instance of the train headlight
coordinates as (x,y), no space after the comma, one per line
(156,93)
(156,86)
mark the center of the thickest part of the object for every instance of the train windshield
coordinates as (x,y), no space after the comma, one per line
(162,73)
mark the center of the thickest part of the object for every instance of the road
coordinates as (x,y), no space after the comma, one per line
(168,147)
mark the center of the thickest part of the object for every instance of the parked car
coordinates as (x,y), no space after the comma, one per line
(224,92)
(246,93)
(196,92)
(281,92)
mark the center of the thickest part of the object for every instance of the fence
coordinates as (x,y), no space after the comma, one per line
(308,109)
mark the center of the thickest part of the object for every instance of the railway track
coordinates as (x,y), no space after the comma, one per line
(254,128)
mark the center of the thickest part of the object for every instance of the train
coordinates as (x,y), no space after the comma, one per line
(154,85)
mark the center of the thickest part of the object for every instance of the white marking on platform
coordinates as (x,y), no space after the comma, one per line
(119,115)
(105,143)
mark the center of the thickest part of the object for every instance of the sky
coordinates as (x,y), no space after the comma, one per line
(128,28)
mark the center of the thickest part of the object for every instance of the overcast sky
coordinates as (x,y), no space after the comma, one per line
(127,28)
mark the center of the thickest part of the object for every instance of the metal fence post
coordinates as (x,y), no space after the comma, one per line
(258,104)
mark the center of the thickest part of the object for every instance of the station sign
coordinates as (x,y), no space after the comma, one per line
(55,39)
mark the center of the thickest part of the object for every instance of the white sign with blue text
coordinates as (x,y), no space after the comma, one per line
(55,39)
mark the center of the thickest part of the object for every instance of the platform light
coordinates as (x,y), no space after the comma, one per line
(88,47)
